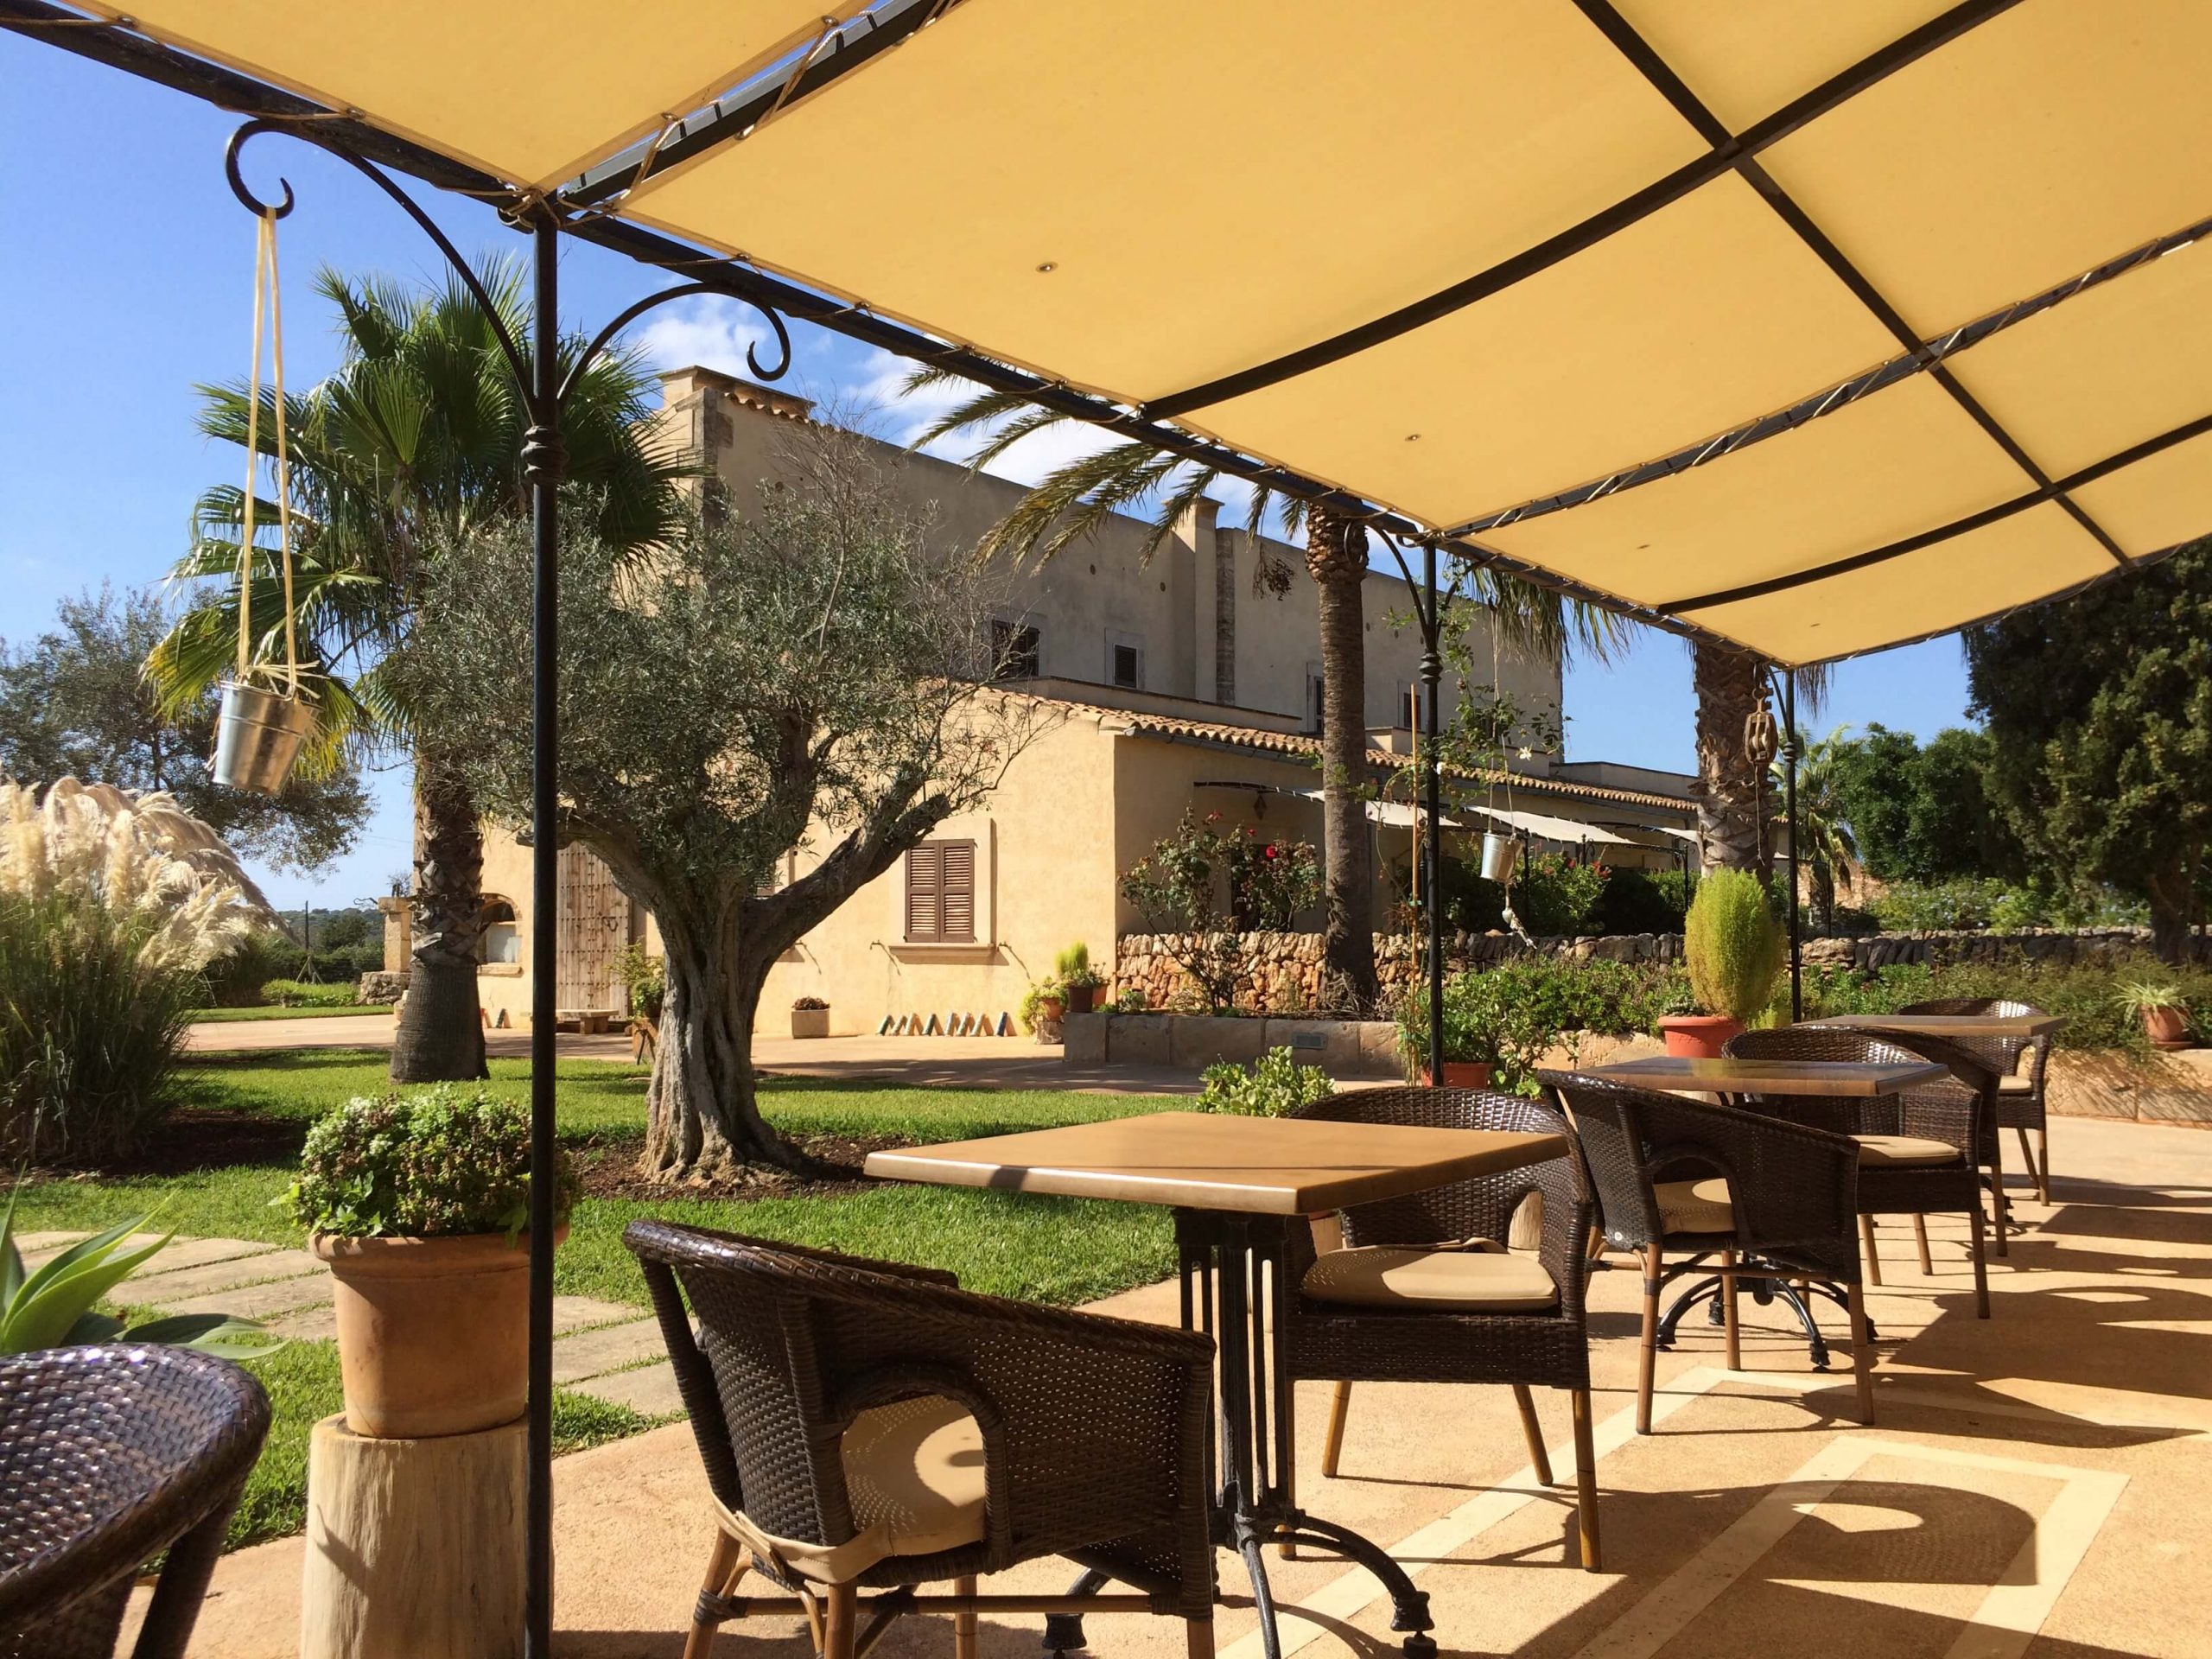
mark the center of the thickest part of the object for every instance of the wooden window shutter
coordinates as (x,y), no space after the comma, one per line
(924,894)
(957,921)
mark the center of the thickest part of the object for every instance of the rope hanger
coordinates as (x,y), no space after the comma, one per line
(267,304)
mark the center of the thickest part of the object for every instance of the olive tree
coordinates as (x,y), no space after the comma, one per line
(805,679)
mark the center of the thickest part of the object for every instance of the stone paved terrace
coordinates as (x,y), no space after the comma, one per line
(2038,1486)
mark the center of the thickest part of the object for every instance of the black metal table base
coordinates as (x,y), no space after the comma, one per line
(1764,1292)
(1232,1289)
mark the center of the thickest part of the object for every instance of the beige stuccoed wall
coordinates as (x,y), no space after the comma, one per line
(503,989)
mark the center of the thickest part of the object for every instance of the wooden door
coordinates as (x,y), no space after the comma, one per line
(593,929)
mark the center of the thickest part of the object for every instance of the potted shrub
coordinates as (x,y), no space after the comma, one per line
(1042,1005)
(1079,981)
(810,1017)
(2163,1011)
(418,1203)
(1471,1034)
(1734,949)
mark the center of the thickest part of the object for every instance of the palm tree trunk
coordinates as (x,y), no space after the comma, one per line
(1336,556)
(440,1035)
(1731,788)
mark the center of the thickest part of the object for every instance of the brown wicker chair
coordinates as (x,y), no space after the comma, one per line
(1782,1205)
(871,1425)
(1919,1150)
(1467,1315)
(110,1455)
(2021,1102)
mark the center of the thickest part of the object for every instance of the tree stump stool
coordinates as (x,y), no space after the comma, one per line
(415,1548)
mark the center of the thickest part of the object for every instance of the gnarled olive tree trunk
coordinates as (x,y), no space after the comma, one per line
(1731,790)
(439,1032)
(1336,557)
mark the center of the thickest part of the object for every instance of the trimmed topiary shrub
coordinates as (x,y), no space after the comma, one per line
(1732,945)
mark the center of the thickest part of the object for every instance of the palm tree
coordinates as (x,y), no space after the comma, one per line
(422,426)
(1730,789)
(1827,850)
(1074,499)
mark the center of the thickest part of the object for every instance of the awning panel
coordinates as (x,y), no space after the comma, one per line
(1210,185)
(1543,827)
(1883,469)
(531,90)
(1747,61)
(2054,137)
(2156,502)
(1706,313)
(2106,370)
(2039,551)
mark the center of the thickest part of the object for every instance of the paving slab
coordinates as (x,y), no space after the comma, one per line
(319,1323)
(251,1301)
(162,1289)
(593,1353)
(650,1390)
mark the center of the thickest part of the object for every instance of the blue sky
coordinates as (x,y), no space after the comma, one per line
(125,279)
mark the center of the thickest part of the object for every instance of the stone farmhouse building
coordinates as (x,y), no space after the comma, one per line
(1162,685)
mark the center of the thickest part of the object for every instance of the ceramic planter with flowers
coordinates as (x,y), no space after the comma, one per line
(418,1203)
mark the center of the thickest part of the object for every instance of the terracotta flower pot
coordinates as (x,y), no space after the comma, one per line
(2167,1028)
(1698,1036)
(1462,1074)
(433,1333)
(1082,998)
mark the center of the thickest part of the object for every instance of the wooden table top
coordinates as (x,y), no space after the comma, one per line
(1200,1160)
(1843,1079)
(1951,1025)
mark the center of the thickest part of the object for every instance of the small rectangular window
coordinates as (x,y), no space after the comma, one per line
(1016,649)
(1128,667)
(1314,702)
(941,894)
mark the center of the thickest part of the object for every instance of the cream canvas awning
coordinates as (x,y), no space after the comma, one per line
(1543,827)
(1818,328)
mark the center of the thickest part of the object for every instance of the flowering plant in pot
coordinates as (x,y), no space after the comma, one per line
(1079,981)
(810,1017)
(1471,1034)
(1042,1005)
(418,1201)
(1734,949)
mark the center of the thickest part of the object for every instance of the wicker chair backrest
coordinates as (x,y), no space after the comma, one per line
(1480,1208)
(1610,1131)
(108,1455)
(2000,1054)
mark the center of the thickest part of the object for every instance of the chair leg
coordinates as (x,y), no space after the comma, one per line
(1866,1248)
(1981,1261)
(1198,1637)
(1862,1354)
(1730,1323)
(725,1568)
(1920,1237)
(1533,1432)
(842,1626)
(2000,1205)
(2038,1162)
(1647,1358)
(963,1624)
(1585,1478)
(1332,1447)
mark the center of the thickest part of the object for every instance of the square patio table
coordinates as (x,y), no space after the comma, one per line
(1824,1079)
(2018,1025)
(1236,1185)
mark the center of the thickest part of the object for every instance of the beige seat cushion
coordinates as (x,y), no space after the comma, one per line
(1696,1206)
(1479,1277)
(914,1476)
(1895,1150)
(2016,1085)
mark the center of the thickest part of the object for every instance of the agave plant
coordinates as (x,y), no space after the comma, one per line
(55,1307)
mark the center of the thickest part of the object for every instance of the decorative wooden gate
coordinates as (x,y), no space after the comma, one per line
(593,931)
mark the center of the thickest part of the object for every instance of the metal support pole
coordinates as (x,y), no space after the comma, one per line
(1790,788)
(1432,673)
(543,465)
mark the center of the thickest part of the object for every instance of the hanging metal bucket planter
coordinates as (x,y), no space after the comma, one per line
(258,737)
(1500,852)
(258,734)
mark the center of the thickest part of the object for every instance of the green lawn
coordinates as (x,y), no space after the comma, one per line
(228,1016)
(1059,1250)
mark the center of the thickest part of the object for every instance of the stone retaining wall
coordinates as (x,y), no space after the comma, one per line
(1287,967)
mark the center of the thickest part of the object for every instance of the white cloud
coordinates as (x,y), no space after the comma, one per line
(713,334)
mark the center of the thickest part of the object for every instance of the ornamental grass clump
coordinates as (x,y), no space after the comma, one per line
(431,1163)
(111,906)
(1732,945)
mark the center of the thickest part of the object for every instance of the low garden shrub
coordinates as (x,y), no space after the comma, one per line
(1967,901)
(1274,1085)
(429,1163)
(299,994)
(2091,995)
(1642,901)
